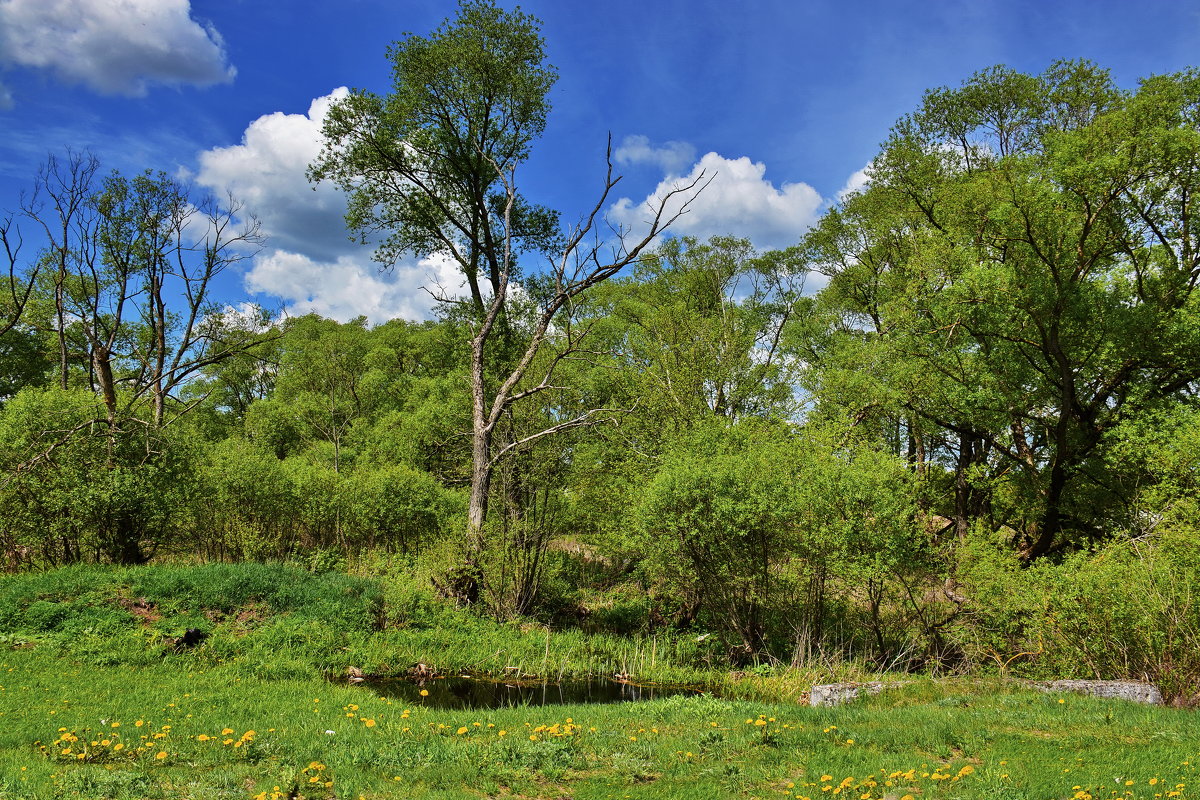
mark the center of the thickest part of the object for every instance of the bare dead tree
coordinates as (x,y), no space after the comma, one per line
(582,262)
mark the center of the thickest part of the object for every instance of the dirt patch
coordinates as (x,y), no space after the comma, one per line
(141,608)
(245,619)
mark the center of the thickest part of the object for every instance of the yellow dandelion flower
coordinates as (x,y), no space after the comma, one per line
(160,755)
(461,730)
(370,723)
(424,693)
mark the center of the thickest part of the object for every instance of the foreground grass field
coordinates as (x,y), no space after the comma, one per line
(70,730)
(98,700)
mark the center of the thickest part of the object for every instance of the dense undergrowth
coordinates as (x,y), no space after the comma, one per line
(280,621)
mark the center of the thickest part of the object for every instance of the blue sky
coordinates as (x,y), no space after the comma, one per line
(784,101)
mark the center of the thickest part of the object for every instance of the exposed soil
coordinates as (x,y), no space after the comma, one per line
(141,608)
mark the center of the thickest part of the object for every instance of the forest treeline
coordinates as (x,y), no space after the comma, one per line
(954,427)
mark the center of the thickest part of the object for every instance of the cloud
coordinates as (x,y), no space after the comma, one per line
(855,183)
(113,46)
(6,98)
(310,262)
(671,157)
(350,287)
(738,201)
(267,173)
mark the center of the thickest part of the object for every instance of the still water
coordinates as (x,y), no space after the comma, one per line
(470,692)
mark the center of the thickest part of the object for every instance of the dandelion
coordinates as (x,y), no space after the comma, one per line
(461,730)
(424,693)
(370,723)
(160,755)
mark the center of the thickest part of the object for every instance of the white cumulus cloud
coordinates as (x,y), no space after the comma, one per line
(738,200)
(671,157)
(855,183)
(113,46)
(349,287)
(310,262)
(267,173)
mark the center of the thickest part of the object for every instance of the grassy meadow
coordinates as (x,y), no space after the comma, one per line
(95,702)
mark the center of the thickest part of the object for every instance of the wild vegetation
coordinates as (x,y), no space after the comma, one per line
(952,431)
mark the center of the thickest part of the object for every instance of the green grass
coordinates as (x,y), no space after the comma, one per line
(85,655)
(275,621)
(987,741)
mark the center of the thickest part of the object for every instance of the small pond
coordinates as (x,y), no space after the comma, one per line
(468,692)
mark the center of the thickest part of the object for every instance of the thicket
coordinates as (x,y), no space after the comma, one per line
(973,448)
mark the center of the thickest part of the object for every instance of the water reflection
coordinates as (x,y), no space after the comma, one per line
(471,692)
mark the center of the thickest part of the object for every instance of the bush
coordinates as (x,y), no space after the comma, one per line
(1129,610)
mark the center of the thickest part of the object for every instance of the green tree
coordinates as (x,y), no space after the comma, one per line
(432,167)
(1019,277)
(753,521)
(696,332)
